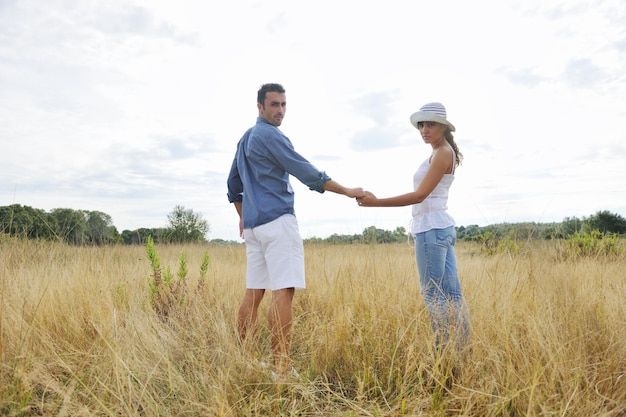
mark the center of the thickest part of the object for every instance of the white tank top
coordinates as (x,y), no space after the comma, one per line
(431,213)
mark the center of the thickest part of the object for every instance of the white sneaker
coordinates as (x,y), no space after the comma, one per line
(292,374)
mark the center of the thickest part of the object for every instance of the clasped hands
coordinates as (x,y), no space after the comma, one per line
(363,198)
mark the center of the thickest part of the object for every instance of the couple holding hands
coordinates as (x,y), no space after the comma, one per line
(258,186)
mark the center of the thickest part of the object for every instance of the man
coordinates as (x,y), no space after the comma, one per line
(258,185)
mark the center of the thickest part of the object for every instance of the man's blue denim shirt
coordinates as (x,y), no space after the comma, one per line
(259,175)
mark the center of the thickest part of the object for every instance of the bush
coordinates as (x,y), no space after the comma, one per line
(593,244)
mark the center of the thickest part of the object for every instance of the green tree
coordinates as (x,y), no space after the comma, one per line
(607,222)
(72,225)
(186,226)
(369,234)
(28,222)
(16,220)
(471,232)
(140,236)
(399,234)
(373,235)
(569,227)
(100,229)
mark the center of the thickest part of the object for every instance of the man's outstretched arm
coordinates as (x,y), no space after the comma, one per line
(334,187)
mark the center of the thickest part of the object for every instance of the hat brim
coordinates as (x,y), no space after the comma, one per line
(425,116)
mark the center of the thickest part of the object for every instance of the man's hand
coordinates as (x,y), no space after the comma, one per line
(355,192)
(335,187)
(239,207)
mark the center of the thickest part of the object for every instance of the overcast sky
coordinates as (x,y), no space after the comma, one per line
(133,107)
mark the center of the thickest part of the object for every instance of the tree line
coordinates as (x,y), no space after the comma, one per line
(603,222)
(84,227)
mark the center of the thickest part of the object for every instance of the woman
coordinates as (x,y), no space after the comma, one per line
(433,228)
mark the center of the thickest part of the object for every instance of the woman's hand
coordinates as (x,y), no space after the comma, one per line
(368,200)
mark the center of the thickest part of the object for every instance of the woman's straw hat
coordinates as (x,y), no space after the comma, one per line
(431,112)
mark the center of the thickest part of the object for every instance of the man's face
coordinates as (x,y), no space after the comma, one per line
(274,108)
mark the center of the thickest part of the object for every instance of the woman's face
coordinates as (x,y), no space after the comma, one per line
(432,132)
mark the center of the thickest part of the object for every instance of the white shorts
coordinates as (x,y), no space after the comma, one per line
(275,255)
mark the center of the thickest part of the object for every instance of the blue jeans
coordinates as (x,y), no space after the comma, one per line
(440,286)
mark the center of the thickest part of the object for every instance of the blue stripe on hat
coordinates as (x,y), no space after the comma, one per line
(436,108)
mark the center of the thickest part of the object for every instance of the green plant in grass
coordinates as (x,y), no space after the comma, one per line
(167,290)
(204,269)
(182,267)
(155,279)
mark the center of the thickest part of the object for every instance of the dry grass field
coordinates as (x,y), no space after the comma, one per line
(79,335)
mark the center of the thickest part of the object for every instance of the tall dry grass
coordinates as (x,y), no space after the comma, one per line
(79,336)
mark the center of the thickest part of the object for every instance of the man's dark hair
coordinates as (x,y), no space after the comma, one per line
(268,88)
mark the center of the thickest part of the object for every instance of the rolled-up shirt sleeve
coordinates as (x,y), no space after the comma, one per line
(318,185)
(235,185)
